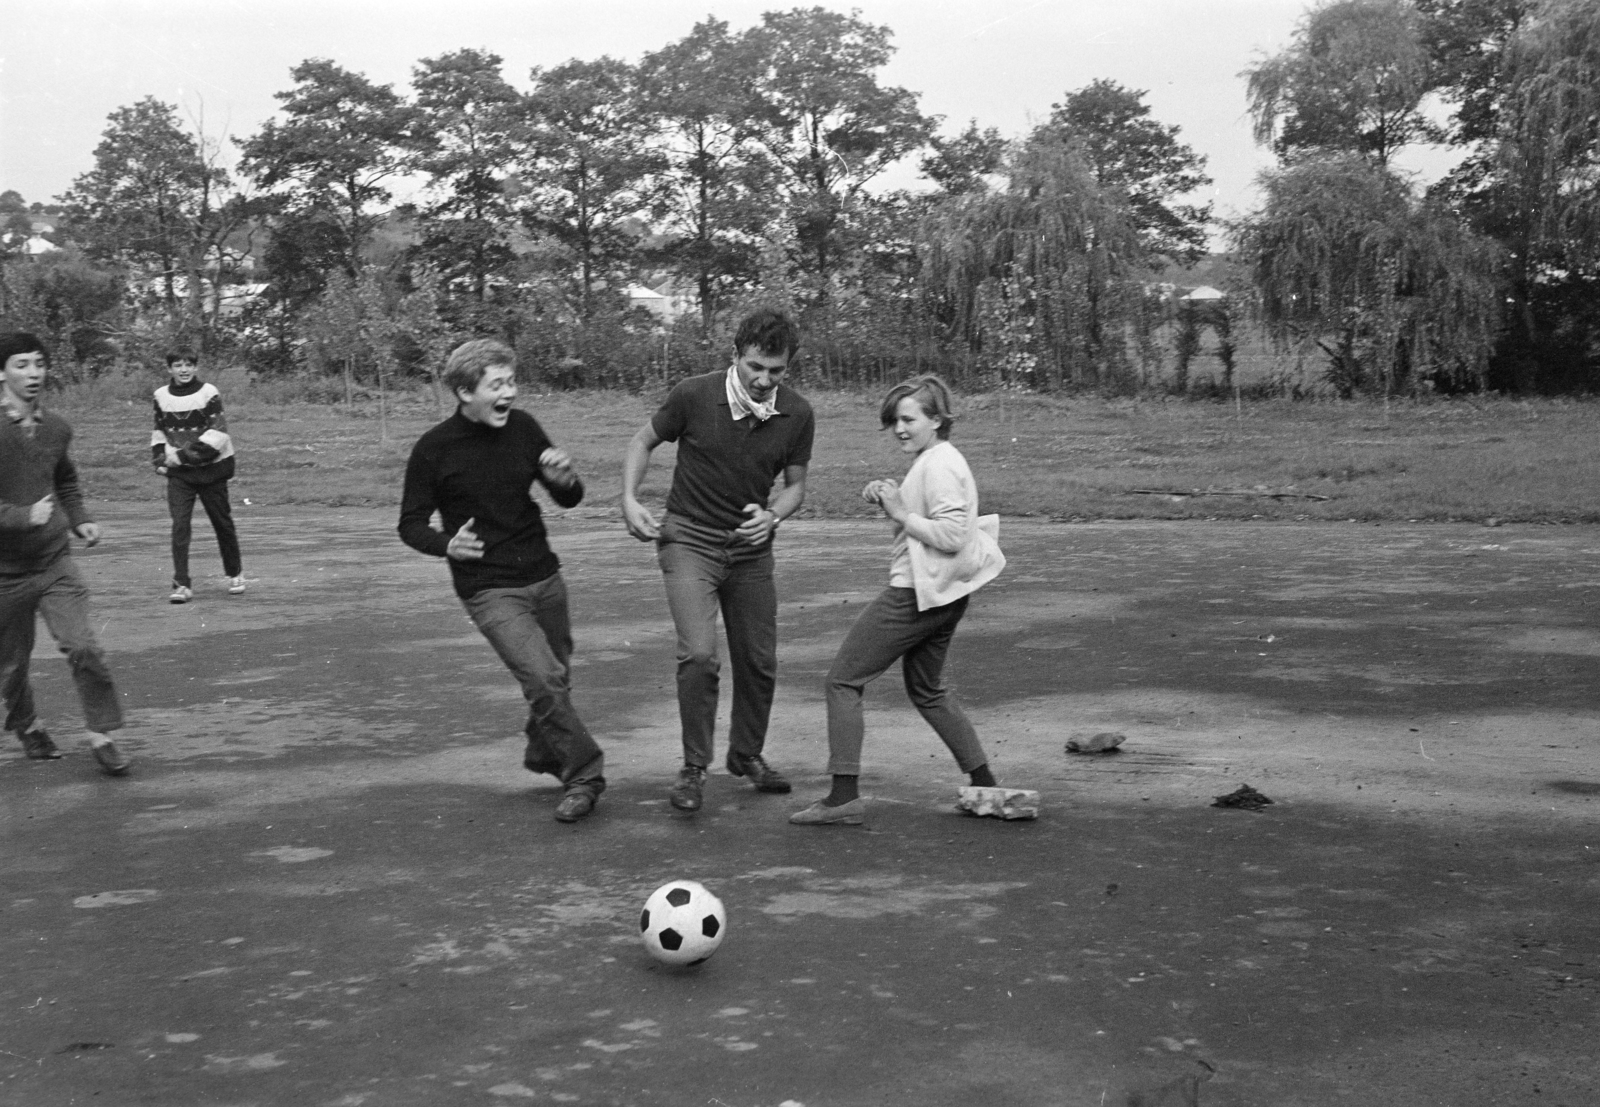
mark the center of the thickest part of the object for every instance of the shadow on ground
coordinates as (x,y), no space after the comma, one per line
(328,881)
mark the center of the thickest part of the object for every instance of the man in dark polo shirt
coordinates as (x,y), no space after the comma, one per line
(477,469)
(736,432)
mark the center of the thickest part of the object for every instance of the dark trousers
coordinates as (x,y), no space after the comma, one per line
(707,570)
(59,595)
(531,630)
(891,627)
(213,497)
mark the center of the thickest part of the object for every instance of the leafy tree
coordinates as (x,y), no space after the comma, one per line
(717,195)
(68,300)
(829,126)
(960,164)
(589,174)
(469,136)
(156,203)
(1352,80)
(1140,160)
(1391,289)
(1540,195)
(330,160)
(1040,278)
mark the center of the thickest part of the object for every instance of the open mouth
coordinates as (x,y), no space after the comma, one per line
(502,406)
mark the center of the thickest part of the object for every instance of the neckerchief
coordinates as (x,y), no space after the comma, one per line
(740,404)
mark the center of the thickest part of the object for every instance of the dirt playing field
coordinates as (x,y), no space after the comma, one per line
(329,882)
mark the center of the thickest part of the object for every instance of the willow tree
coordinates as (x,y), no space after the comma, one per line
(1352,80)
(1393,290)
(1038,279)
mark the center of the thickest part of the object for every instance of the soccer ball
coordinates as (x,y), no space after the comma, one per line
(682,923)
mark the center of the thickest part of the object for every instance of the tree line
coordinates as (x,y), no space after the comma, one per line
(363,230)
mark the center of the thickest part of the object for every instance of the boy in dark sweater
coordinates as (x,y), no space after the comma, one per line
(191,447)
(41,508)
(477,469)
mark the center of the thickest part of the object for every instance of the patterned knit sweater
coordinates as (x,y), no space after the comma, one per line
(191,431)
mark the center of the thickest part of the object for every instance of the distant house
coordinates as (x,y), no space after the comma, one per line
(1204,293)
(665,305)
(39,244)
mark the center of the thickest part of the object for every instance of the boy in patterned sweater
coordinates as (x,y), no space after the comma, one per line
(190,446)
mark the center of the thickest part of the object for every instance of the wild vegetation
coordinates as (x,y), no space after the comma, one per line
(364,229)
(1050,456)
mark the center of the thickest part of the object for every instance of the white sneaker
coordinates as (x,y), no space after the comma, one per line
(181,593)
(235,585)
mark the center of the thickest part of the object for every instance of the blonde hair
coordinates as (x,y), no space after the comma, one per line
(931,394)
(468,362)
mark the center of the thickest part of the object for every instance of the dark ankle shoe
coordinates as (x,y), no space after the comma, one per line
(111,759)
(762,775)
(574,806)
(686,794)
(38,746)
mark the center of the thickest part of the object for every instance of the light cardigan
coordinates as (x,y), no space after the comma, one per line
(944,547)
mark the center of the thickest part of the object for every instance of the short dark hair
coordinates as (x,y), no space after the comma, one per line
(468,362)
(769,330)
(931,394)
(182,355)
(13,343)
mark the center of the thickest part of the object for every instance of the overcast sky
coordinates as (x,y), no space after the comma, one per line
(66,64)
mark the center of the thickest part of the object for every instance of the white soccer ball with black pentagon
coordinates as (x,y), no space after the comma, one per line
(682,923)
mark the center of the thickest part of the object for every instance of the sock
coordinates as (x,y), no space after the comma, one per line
(981,777)
(844,790)
(99,739)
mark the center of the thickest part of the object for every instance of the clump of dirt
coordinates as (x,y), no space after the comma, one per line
(1243,797)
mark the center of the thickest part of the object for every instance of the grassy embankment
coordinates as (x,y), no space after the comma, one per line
(1075,458)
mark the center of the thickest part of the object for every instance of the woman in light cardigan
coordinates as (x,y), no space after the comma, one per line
(942,553)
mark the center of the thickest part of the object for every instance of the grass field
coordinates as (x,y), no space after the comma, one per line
(1050,457)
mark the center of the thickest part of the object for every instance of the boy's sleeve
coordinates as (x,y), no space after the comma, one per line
(572,494)
(800,454)
(671,420)
(158,437)
(213,440)
(417,507)
(69,493)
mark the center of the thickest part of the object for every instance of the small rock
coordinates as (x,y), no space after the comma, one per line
(1105,742)
(999,803)
(1243,797)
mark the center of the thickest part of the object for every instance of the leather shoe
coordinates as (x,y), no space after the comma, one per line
(574,806)
(820,814)
(111,759)
(762,775)
(38,746)
(685,795)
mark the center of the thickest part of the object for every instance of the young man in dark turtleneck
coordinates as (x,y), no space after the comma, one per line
(192,448)
(478,470)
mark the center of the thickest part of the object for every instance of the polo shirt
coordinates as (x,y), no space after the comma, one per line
(725,464)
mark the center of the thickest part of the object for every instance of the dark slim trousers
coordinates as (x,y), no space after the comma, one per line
(531,629)
(891,627)
(707,570)
(59,595)
(214,498)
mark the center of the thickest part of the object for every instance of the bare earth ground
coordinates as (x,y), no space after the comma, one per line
(329,882)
